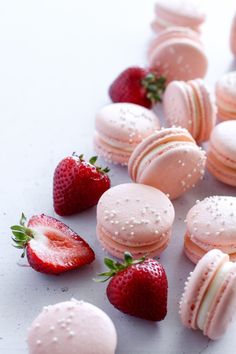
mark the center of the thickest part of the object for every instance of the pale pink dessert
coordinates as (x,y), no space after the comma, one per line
(135,218)
(225,91)
(184,13)
(190,105)
(178,54)
(169,160)
(73,327)
(233,36)
(209,299)
(120,127)
(211,223)
(221,155)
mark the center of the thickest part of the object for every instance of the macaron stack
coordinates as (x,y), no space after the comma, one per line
(183,13)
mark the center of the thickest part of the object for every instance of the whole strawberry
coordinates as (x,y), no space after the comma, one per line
(78,185)
(138,85)
(138,288)
(51,246)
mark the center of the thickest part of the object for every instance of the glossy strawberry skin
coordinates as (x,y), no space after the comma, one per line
(140,290)
(77,185)
(55,248)
(127,87)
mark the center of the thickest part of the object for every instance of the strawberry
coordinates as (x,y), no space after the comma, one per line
(51,246)
(137,85)
(78,185)
(137,288)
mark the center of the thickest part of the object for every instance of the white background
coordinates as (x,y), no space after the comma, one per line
(57,59)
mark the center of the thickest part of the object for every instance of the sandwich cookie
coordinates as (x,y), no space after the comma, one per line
(225,92)
(190,105)
(135,218)
(169,160)
(211,223)
(184,13)
(74,327)
(178,54)
(221,156)
(120,127)
(209,299)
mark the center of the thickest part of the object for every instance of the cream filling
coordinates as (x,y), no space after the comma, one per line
(211,293)
(162,22)
(158,151)
(116,144)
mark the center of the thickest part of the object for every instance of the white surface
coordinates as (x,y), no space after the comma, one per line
(57,60)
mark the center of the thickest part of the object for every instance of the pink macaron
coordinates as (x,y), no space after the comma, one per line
(211,223)
(233,36)
(184,13)
(73,327)
(225,91)
(209,299)
(120,127)
(178,54)
(221,156)
(168,160)
(135,218)
(190,105)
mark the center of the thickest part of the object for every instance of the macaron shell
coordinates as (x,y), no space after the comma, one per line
(195,253)
(212,224)
(223,308)
(77,325)
(110,153)
(181,162)
(117,249)
(220,171)
(176,105)
(224,143)
(233,36)
(225,91)
(197,285)
(164,136)
(151,214)
(182,13)
(179,60)
(172,150)
(120,127)
(126,122)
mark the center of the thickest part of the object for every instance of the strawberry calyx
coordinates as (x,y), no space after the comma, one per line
(92,162)
(155,86)
(22,234)
(116,267)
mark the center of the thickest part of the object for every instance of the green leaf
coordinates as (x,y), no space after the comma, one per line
(18,228)
(128,258)
(109,263)
(93,160)
(19,235)
(23,219)
(19,247)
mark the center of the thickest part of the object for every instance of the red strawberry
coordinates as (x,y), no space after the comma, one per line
(138,85)
(78,185)
(138,288)
(51,246)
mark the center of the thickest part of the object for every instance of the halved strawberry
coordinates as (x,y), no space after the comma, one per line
(51,246)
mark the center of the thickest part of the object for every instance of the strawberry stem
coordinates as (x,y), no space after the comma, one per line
(116,267)
(155,86)
(22,234)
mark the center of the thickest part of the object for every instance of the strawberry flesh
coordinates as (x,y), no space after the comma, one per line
(55,248)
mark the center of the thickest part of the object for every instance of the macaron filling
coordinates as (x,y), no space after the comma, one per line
(116,143)
(211,293)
